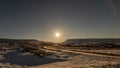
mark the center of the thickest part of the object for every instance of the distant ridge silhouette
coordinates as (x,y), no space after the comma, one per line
(17,40)
(92,40)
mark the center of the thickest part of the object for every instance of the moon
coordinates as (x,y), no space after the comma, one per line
(57,34)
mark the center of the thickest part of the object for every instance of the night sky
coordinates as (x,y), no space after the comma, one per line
(40,19)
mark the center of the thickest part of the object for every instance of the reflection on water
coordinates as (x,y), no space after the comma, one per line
(16,57)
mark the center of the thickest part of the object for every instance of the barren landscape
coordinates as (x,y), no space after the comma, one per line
(59,33)
(36,54)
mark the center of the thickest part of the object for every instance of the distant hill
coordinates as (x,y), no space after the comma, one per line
(20,43)
(77,41)
(2,40)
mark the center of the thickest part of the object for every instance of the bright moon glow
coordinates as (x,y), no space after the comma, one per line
(57,35)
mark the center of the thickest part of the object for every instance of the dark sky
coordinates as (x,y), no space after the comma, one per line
(40,19)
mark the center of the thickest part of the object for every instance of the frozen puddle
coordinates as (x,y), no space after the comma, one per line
(20,58)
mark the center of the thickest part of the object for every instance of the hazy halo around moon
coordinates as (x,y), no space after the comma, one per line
(57,34)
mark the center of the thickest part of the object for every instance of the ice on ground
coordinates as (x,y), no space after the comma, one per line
(20,58)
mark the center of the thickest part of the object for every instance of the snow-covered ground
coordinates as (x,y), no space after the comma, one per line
(16,59)
(117,52)
(82,61)
(1,58)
